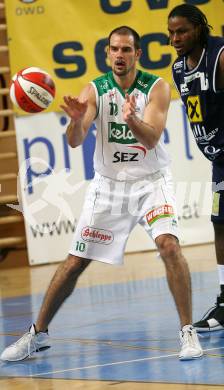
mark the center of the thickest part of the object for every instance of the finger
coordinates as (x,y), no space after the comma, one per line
(69,100)
(72,99)
(65,98)
(127,98)
(133,99)
(65,109)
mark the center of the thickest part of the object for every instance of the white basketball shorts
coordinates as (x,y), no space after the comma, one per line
(113,208)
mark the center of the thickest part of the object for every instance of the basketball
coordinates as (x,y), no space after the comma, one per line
(32,89)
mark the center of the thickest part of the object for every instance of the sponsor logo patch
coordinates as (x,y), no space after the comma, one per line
(163,211)
(144,85)
(126,156)
(215,204)
(120,133)
(178,65)
(99,236)
(194,112)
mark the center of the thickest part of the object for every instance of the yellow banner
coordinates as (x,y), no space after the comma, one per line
(67,38)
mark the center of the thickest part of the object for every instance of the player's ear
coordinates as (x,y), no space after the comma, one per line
(138,53)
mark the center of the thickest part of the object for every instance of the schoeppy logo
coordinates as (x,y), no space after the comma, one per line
(120,133)
(99,236)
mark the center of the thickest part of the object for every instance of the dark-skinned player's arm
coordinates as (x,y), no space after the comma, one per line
(82,111)
(149,129)
(220,72)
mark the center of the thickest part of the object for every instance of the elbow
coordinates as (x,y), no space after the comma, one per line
(153,140)
(151,144)
(72,143)
(150,147)
(74,139)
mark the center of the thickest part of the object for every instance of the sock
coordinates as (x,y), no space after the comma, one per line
(221,278)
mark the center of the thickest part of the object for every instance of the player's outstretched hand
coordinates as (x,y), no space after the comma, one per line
(74,108)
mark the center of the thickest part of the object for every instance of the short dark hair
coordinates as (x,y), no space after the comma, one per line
(195,16)
(126,30)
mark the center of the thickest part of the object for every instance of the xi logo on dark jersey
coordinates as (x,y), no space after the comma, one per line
(194,109)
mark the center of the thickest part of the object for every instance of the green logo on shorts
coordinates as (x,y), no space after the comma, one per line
(120,133)
(80,246)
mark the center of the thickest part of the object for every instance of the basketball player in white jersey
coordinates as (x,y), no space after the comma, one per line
(132,184)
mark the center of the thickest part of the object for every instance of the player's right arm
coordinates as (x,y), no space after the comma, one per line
(82,111)
(220,72)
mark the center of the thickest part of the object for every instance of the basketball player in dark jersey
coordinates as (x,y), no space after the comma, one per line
(198,73)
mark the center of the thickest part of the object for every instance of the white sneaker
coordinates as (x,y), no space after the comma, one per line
(190,345)
(23,348)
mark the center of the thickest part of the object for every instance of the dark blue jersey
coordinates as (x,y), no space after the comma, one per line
(203,102)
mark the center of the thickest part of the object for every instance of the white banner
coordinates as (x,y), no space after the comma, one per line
(53,179)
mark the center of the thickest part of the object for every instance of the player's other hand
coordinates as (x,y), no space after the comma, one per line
(74,108)
(129,107)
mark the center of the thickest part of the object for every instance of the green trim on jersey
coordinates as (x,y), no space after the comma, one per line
(103,84)
(143,82)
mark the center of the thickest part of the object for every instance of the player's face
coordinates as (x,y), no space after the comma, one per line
(122,54)
(184,36)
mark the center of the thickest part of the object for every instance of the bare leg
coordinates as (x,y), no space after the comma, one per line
(178,276)
(219,242)
(61,286)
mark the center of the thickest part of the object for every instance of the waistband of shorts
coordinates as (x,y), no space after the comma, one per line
(150,177)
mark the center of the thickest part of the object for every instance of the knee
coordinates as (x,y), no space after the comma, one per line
(75,265)
(168,247)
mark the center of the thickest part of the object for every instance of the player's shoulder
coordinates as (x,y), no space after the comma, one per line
(213,47)
(103,83)
(101,78)
(87,93)
(215,41)
(146,76)
(146,80)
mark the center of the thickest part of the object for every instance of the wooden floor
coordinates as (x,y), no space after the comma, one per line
(58,384)
(33,280)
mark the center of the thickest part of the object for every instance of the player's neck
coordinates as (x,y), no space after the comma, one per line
(126,81)
(193,57)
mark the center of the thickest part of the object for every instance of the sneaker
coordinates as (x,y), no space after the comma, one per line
(190,346)
(29,343)
(213,318)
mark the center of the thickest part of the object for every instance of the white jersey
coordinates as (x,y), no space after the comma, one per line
(118,154)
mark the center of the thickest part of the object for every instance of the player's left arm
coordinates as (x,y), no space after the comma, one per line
(220,72)
(148,131)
